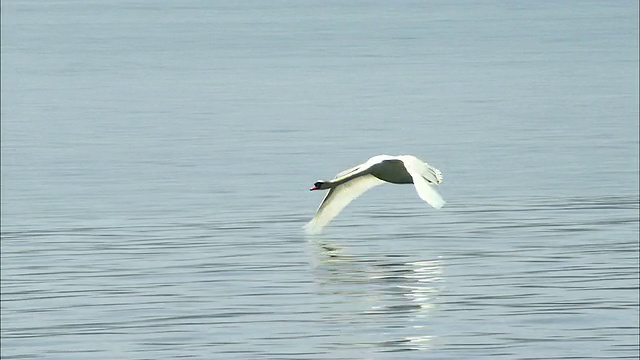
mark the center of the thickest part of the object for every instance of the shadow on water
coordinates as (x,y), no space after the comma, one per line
(390,298)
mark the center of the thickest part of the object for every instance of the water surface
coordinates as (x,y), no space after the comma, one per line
(156,160)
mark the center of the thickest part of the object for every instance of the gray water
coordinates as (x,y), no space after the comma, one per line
(156,160)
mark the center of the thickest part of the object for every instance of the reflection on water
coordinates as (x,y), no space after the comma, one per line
(388,294)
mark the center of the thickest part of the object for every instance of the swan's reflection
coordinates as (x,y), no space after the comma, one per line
(389,298)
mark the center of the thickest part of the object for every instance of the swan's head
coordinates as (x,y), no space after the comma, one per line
(319,185)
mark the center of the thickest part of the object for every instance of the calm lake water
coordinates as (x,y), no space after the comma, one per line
(156,160)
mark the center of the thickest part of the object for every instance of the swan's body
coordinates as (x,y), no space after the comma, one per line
(351,183)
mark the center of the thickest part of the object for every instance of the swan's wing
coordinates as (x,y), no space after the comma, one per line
(347,172)
(423,176)
(338,198)
(427,171)
(356,170)
(432,174)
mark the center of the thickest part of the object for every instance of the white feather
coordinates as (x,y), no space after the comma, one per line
(338,198)
(423,176)
(425,191)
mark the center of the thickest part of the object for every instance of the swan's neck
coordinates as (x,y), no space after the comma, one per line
(326,185)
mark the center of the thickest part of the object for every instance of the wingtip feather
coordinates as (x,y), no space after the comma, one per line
(312,228)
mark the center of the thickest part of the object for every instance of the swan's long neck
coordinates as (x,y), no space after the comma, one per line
(328,184)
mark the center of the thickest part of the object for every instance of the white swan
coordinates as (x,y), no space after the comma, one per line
(351,183)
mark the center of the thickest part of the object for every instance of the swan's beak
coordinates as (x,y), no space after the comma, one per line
(314,188)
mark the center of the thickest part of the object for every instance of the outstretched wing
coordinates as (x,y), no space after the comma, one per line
(347,172)
(424,175)
(362,168)
(432,174)
(338,198)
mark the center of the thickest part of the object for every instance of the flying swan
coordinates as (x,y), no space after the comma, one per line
(351,183)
